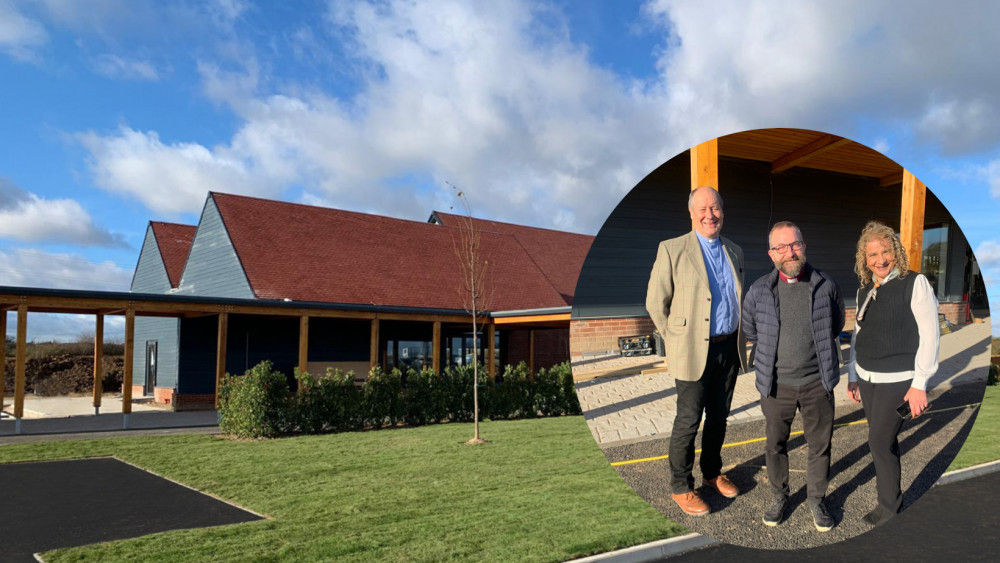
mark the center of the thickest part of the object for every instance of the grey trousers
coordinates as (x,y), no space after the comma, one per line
(816,406)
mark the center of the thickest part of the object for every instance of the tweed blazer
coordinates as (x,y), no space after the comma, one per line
(679,301)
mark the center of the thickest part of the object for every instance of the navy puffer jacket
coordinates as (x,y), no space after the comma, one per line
(760,325)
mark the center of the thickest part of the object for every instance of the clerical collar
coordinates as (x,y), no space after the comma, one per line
(798,278)
(706,240)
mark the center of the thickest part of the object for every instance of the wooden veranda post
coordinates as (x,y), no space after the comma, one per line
(19,359)
(98,361)
(3,351)
(303,344)
(436,352)
(129,360)
(911,219)
(220,354)
(374,344)
(705,164)
(491,349)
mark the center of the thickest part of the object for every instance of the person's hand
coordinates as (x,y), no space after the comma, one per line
(917,399)
(853,392)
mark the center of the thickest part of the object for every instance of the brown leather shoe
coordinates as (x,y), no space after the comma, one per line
(692,504)
(725,487)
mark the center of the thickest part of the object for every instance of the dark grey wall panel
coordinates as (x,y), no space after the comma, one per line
(150,273)
(830,208)
(213,269)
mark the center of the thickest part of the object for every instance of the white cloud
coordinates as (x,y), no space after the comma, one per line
(988,254)
(114,66)
(37,268)
(993,177)
(27,217)
(169,178)
(20,36)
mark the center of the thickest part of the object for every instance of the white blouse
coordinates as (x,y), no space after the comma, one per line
(924,305)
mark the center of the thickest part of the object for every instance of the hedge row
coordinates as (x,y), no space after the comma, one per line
(259,403)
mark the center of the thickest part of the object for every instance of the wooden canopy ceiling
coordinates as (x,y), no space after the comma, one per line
(788,148)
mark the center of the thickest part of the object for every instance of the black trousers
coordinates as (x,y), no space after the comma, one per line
(880,401)
(816,406)
(712,395)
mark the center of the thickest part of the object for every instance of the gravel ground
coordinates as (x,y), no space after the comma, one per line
(928,445)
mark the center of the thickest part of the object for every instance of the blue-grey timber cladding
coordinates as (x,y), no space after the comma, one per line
(830,208)
(213,269)
(151,277)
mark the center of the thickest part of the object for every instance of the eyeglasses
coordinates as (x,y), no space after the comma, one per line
(783,248)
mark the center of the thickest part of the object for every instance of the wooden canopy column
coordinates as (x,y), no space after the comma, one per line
(436,350)
(911,219)
(491,349)
(374,344)
(531,353)
(303,344)
(705,165)
(98,361)
(221,335)
(3,351)
(19,361)
(129,361)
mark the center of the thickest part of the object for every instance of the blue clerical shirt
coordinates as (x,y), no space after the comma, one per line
(725,302)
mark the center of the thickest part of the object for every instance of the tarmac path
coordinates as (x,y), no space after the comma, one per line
(953,522)
(928,443)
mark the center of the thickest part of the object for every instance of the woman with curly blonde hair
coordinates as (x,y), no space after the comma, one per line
(894,352)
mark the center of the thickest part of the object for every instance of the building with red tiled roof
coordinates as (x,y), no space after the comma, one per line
(373,289)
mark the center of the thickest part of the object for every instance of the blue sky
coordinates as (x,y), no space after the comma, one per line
(117,112)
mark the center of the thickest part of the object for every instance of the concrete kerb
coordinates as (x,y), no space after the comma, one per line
(659,549)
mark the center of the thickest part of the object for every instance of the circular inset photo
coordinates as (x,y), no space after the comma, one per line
(780,338)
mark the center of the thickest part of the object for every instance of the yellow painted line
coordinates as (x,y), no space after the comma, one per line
(796,433)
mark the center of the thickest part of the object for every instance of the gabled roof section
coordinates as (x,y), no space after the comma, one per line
(558,254)
(174,241)
(307,253)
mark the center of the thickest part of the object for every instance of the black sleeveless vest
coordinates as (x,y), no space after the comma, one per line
(888,340)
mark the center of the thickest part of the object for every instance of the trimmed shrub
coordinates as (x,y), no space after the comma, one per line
(256,404)
(382,398)
(328,403)
(510,393)
(425,397)
(994,375)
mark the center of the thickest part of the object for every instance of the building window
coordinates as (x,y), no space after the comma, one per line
(934,264)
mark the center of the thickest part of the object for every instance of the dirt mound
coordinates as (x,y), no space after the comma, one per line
(65,374)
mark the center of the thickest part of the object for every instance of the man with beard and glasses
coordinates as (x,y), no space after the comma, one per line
(794,315)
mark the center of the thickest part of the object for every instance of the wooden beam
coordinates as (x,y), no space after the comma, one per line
(911,219)
(221,337)
(436,351)
(3,352)
(705,165)
(491,349)
(531,353)
(19,359)
(98,360)
(533,319)
(129,360)
(374,343)
(799,156)
(891,179)
(303,344)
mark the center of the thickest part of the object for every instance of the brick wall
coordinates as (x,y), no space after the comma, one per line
(551,347)
(601,335)
(163,395)
(194,402)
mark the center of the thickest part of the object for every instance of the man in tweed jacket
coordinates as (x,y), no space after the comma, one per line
(794,315)
(694,299)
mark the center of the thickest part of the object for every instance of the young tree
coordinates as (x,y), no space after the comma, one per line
(475,289)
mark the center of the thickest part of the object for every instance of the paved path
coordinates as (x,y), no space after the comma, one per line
(621,409)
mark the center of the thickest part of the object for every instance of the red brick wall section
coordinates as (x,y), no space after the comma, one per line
(551,347)
(163,395)
(601,335)
(193,402)
(138,391)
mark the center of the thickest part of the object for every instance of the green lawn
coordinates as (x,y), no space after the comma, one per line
(983,443)
(540,490)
